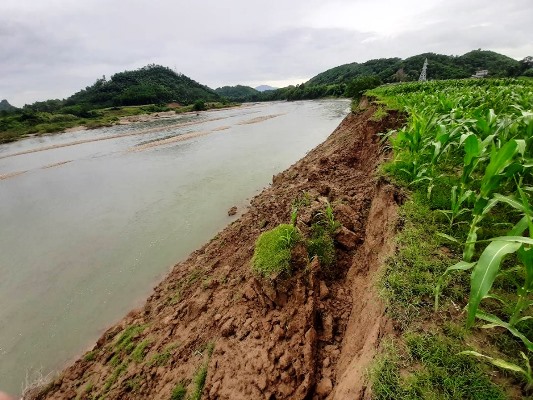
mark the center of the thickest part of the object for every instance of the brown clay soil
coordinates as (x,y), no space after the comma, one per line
(310,336)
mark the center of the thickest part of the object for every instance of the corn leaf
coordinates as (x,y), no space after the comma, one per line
(485,272)
(460,266)
(499,159)
(472,149)
(520,227)
(495,321)
(514,239)
(510,200)
(498,362)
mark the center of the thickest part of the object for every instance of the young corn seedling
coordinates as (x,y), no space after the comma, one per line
(500,159)
(457,205)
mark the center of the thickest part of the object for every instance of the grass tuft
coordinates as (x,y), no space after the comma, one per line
(199,382)
(272,254)
(179,392)
(139,352)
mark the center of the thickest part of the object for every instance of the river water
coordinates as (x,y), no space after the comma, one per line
(90,221)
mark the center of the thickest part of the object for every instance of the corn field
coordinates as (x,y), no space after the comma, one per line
(473,139)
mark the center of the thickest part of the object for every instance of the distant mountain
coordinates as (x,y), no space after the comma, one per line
(439,67)
(5,106)
(238,93)
(264,88)
(153,84)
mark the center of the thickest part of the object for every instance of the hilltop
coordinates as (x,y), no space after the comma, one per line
(350,80)
(5,106)
(440,67)
(238,93)
(153,84)
(145,90)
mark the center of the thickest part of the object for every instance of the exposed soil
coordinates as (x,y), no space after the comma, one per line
(310,336)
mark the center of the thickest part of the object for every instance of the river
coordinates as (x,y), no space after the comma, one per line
(90,221)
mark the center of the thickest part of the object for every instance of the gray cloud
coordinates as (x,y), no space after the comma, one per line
(52,48)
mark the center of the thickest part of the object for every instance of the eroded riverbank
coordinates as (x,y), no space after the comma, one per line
(89,229)
(306,337)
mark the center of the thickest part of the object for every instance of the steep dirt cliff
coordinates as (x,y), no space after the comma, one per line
(212,323)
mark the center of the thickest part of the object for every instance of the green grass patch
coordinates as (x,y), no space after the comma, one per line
(430,368)
(164,357)
(90,356)
(272,253)
(114,376)
(323,247)
(139,352)
(199,382)
(126,338)
(133,384)
(179,392)
(196,275)
(379,114)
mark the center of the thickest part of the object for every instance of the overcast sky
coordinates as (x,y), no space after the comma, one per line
(53,48)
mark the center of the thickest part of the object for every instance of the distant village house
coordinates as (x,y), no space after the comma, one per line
(481,73)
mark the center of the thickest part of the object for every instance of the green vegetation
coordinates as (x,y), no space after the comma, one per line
(5,106)
(440,67)
(127,93)
(321,243)
(361,84)
(430,368)
(351,80)
(239,93)
(90,356)
(179,392)
(465,153)
(199,382)
(272,254)
(195,275)
(125,341)
(151,88)
(273,249)
(20,123)
(138,353)
(134,384)
(114,376)
(164,357)
(153,84)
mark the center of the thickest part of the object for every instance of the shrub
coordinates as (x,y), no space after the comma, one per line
(199,105)
(272,255)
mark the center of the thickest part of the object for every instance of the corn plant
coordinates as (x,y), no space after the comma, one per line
(480,135)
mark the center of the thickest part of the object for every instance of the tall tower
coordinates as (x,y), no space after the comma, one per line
(423,77)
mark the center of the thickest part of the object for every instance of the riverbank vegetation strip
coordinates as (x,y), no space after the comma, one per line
(460,285)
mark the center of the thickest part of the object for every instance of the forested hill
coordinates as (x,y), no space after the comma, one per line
(153,84)
(239,93)
(5,106)
(440,67)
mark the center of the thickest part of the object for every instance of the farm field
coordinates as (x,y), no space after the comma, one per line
(459,287)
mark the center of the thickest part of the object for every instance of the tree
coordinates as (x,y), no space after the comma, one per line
(358,86)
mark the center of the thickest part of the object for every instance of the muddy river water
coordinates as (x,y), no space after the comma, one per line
(90,221)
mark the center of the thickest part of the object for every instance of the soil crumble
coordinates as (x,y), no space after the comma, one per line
(310,336)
